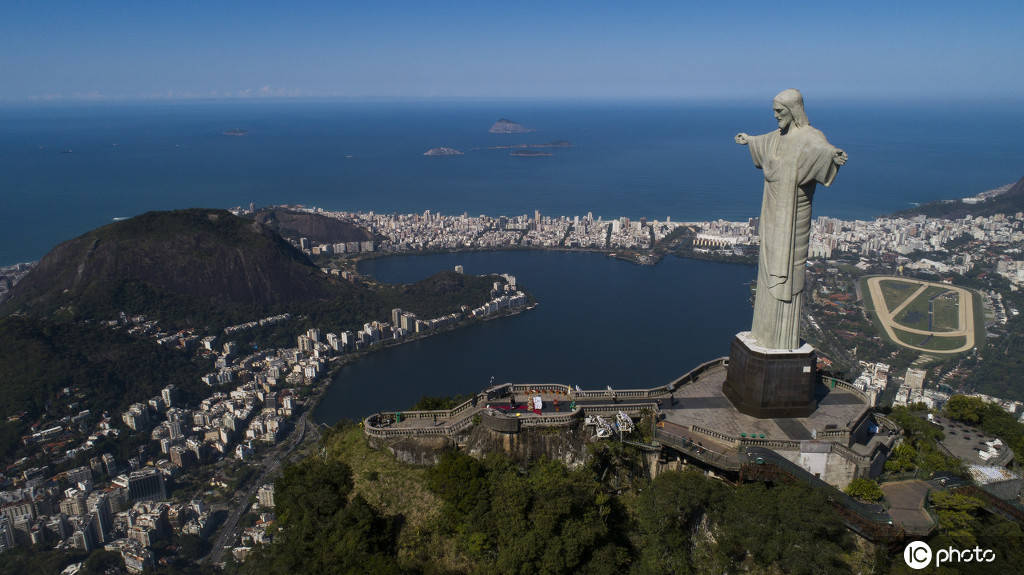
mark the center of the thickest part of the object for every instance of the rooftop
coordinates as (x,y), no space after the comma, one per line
(964,441)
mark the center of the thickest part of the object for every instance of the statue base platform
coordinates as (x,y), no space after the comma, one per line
(770,383)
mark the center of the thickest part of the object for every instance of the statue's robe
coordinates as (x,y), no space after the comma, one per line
(793,164)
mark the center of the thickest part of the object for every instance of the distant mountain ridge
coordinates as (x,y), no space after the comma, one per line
(196,263)
(208,268)
(1008,202)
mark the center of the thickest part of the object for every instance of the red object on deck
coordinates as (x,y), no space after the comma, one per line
(537,411)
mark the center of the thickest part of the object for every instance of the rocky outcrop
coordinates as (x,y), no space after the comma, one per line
(565,444)
(506,126)
(442,151)
(415,450)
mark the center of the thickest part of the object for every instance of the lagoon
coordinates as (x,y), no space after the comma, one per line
(601,321)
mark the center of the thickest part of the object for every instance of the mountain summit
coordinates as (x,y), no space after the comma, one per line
(174,265)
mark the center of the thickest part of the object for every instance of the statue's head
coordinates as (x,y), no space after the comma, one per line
(789,109)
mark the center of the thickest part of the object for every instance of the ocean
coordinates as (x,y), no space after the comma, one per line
(65,169)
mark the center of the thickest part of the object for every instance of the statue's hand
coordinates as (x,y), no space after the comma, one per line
(839,157)
(741,139)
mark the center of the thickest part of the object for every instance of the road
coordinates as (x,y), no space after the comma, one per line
(965,309)
(228,532)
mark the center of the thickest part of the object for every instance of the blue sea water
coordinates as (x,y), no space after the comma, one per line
(601,321)
(629,159)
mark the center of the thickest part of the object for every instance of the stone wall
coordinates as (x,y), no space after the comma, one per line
(565,444)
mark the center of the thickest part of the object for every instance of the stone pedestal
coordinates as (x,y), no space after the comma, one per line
(765,383)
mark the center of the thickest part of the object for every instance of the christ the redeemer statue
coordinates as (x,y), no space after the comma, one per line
(794,158)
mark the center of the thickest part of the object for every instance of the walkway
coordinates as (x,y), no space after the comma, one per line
(906,505)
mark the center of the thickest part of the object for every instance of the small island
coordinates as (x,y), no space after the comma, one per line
(235,132)
(442,151)
(506,126)
(530,154)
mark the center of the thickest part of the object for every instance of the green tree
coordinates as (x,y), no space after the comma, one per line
(428,402)
(902,458)
(321,530)
(21,560)
(667,515)
(966,409)
(914,424)
(461,481)
(866,489)
(100,562)
(545,519)
(958,516)
(789,527)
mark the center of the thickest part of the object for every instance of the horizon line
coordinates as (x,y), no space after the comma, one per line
(829,97)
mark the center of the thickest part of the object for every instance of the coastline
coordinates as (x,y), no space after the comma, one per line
(631,256)
(339,362)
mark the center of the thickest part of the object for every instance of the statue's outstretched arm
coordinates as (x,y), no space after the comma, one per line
(741,139)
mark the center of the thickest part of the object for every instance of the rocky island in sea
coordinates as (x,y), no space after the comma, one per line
(235,132)
(506,126)
(442,151)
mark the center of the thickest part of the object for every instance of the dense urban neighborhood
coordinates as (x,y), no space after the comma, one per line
(192,477)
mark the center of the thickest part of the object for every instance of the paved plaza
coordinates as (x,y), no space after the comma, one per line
(906,505)
(703,404)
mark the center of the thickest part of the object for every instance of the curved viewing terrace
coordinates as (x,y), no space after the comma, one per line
(689,410)
(696,421)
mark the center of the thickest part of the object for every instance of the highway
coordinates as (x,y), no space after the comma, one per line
(240,500)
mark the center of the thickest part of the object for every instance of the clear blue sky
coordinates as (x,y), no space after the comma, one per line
(479,49)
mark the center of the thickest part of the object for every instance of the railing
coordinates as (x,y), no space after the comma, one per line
(834,382)
(405,432)
(462,407)
(460,425)
(695,373)
(540,388)
(869,520)
(945,450)
(458,418)
(633,409)
(455,425)
(787,444)
(712,433)
(642,446)
(891,425)
(686,445)
(851,455)
(1009,509)
(620,393)
(452,423)
(550,420)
